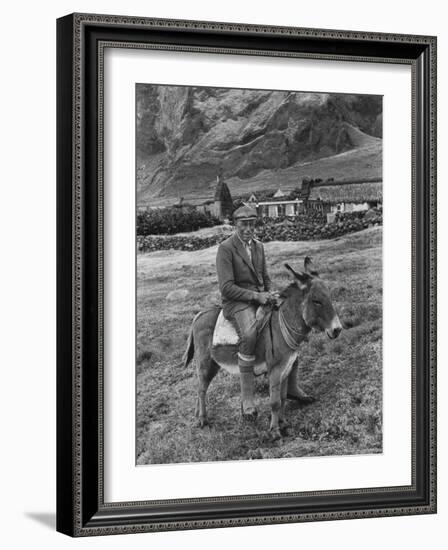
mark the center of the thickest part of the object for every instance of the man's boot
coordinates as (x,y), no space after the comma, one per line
(247,380)
(294,391)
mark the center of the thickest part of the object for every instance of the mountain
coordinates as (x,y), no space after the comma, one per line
(187,135)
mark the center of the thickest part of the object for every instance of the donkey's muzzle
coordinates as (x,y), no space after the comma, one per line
(335,329)
(334,333)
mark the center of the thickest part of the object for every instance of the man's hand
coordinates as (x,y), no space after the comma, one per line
(263,298)
(275,298)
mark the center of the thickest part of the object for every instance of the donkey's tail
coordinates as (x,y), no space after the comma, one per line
(189,351)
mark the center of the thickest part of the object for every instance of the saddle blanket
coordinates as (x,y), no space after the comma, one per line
(225,345)
(225,333)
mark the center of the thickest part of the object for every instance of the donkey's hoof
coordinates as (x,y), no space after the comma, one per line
(285,430)
(250,413)
(274,434)
(302,399)
(202,422)
(285,427)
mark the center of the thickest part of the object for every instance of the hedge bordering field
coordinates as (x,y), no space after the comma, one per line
(304,228)
(172,220)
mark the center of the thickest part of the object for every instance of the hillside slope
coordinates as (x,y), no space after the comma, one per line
(187,135)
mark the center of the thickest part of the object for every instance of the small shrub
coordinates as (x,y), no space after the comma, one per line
(144,355)
(351,319)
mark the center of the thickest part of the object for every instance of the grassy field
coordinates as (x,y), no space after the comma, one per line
(344,375)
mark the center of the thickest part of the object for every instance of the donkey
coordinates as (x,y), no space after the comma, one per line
(305,305)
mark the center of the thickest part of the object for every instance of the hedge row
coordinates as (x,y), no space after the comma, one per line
(172,220)
(302,229)
(151,243)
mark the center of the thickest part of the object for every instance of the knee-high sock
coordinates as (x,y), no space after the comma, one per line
(247,381)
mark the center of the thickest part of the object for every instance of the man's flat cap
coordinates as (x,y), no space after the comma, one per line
(245,213)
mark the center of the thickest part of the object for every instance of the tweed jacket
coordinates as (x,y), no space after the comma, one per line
(240,278)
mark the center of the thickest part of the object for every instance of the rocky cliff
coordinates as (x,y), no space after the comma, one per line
(187,135)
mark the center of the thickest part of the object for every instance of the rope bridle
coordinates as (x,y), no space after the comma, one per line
(288,332)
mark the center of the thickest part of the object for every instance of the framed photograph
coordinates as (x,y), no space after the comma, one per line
(246,274)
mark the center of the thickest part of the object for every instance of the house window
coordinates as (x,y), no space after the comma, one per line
(291,209)
(273,212)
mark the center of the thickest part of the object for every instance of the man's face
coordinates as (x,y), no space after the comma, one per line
(245,229)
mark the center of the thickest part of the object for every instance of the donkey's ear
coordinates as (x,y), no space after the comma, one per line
(309,266)
(301,278)
(291,270)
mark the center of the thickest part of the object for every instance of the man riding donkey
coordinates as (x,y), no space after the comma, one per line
(244,284)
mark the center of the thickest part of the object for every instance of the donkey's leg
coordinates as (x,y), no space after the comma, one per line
(207,370)
(283,392)
(295,392)
(283,423)
(275,400)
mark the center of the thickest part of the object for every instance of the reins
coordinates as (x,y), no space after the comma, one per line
(288,332)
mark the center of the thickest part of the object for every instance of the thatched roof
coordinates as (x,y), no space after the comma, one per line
(349,192)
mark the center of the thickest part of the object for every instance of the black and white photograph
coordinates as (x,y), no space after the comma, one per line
(224,249)
(259,274)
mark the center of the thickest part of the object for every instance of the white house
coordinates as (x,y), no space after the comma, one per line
(278,194)
(349,207)
(274,209)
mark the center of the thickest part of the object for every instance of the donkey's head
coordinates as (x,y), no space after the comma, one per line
(317,308)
